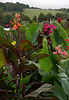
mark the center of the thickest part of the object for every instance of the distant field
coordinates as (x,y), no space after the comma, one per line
(36,12)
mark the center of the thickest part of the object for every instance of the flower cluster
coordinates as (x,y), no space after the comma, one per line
(67,46)
(48,28)
(17,20)
(18,17)
(60,51)
(16,26)
(15,23)
(10,24)
(59,20)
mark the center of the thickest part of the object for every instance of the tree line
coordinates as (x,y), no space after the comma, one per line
(13,6)
(63,9)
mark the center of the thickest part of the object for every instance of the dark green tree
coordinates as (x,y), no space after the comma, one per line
(7,19)
(48,16)
(41,17)
(2,17)
(60,15)
(24,17)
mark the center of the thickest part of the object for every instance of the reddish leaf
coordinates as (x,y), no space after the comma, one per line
(41,56)
(25,46)
(7,44)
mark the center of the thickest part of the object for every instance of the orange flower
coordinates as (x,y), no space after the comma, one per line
(16,26)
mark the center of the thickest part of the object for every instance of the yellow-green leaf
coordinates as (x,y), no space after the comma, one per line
(2,58)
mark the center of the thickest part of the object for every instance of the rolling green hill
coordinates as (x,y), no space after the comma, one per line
(35,12)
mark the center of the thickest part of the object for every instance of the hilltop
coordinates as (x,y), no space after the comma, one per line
(35,12)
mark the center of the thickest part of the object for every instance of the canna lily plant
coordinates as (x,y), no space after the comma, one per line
(20,57)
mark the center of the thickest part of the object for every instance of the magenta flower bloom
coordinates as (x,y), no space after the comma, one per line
(67,40)
(50,32)
(48,28)
(53,27)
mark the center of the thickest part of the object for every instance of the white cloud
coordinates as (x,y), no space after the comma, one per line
(43,3)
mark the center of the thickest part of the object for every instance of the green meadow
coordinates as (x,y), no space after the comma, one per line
(35,12)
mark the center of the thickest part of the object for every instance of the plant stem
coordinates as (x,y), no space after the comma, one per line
(6,94)
(23,93)
(24,86)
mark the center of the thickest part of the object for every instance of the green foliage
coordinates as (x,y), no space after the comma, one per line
(7,19)
(25,18)
(59,92)
(60,15)
(59,35)
(65,84)
(41,17)
(49,16)
(13,6)
(45,63)
(26,79)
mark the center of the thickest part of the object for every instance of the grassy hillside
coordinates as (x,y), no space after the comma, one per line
(36,12)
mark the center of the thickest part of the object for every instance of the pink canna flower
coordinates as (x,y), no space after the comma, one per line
(65,54)
(57,48)
(60,51)
(55,52)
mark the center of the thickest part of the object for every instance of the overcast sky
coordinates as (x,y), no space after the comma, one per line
(44,4)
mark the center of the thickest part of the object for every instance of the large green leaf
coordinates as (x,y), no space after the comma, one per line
(65,85)
(59,36)
(30,31)
(60,92)
(65,64)
(40,26)
(50,79)
(60,29)
(33,31)
(45,63)
(2,58)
